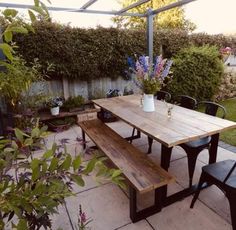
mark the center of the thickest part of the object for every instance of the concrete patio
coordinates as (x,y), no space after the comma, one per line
(108,206)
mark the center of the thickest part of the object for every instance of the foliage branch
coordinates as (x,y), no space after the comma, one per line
(32,188)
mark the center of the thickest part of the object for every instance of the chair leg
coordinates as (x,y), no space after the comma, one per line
(150,141)
(196,195)
(131,139)
(232,204)
(192,158)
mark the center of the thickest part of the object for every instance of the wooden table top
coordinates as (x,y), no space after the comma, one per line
(183,126)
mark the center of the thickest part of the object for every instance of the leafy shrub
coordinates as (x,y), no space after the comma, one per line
(197,72)
(73,102)
(32,188)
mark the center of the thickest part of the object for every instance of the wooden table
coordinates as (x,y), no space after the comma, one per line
(183,126)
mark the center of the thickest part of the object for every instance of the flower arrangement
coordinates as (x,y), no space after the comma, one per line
(225,53)
(150,77)
(53,102)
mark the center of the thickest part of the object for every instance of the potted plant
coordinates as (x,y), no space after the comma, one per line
(54,103)
(149,78)
(73,104)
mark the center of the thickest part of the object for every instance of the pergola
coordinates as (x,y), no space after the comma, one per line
(149,14)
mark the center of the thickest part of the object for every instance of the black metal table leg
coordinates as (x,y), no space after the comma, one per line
(213,148)
(165,164)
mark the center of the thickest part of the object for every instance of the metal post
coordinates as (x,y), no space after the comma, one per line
(150,35)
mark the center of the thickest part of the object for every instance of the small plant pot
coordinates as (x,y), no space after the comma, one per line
(55,111)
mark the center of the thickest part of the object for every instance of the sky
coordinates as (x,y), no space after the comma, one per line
(210,16)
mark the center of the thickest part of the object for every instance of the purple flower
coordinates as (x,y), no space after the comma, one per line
(83,217)
(131,62)
(144,63)
(167,69)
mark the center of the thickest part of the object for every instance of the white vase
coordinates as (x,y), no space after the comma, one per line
(55,110)
(148,103)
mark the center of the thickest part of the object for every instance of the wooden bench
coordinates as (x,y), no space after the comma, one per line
(141,172)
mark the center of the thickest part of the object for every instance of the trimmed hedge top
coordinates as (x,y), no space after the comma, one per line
(88,54)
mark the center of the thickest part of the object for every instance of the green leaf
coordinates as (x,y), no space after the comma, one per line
(35,132)
(7,36)
(22,225)
(66,163)
(54,164)
(28,141)
(90,166)
(10,12)
(35,163)
(116,173)
(18,29)
(30,28)
(76,162)
(8,149)
(44,129)
(19,135)
(48,154)
(54,148)
(36,2)
(35,174)
(78,180)
(38,9)
(7,50)
(32,16)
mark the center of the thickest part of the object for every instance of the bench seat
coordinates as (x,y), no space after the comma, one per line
(142,173)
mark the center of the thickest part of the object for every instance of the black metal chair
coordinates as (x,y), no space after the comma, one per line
(223,175)
(187,102)
(163,95)
(193,148)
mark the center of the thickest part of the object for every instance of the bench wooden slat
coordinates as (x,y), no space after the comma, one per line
(140,170)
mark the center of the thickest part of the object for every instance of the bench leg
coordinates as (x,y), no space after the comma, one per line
(142,214)
(83,138)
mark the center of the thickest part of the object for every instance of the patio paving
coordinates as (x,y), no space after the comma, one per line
(108,205)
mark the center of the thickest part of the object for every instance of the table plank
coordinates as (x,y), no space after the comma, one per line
(183,126)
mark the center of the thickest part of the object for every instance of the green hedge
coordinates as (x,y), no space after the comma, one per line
(197,72)
(93,53)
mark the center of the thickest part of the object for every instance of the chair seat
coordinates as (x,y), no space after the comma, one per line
(198,143)
(220,170)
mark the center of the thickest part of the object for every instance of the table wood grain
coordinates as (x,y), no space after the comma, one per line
(183,126)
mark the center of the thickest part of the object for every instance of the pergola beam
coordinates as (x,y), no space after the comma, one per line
(171,6)
(136,4)
(87,4)
(23,6)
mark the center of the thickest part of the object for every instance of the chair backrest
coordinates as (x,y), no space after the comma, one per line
(230,172)
(187,102)
(211,108)
(163,95)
